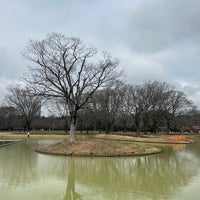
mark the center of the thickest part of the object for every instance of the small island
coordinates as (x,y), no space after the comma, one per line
(98,148)
(111,145)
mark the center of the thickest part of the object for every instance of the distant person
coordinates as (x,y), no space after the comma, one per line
(28,134)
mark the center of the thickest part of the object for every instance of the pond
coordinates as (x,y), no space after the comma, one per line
(25,174)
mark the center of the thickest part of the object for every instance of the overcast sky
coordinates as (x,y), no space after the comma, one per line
(154,39)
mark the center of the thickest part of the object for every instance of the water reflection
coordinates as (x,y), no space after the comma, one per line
(17,165)
(151,177)
(177,147)
(71,194)
(155,177)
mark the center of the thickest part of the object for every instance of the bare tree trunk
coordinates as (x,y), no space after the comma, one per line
(145,122)
(169,127)
(72,132)
(28,124)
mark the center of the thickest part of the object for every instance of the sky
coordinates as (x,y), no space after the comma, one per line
(153,39)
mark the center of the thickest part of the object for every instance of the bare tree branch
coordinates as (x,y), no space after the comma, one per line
(66,68)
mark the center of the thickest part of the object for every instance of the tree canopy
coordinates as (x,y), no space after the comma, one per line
(64,67)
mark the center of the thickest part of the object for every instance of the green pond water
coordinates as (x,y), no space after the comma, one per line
(27,175)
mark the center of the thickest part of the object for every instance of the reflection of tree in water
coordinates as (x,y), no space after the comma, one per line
(18,164)
(155,177)
(194,149)
(71,194)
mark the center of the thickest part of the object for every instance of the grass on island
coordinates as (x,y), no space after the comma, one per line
(100,148)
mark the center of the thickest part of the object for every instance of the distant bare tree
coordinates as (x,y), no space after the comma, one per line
(155,103)
(59,108)
(176,104)
(27,106)
(109,102)
(135,105)
(7,117)
(66,68)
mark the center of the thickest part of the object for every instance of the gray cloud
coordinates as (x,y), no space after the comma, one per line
(161,24)
(154,39)
(162,40)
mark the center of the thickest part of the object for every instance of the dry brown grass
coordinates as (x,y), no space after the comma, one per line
(147,139)
(15,135)
(95,147)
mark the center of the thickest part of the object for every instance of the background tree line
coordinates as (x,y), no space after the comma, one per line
(150,107)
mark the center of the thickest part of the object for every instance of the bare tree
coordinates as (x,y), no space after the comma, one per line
(155,104)
(176,104)
(108,102)
(7,117)
(135,104)
(27,106)
(66,68)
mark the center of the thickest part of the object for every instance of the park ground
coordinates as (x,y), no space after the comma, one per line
(95,144)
